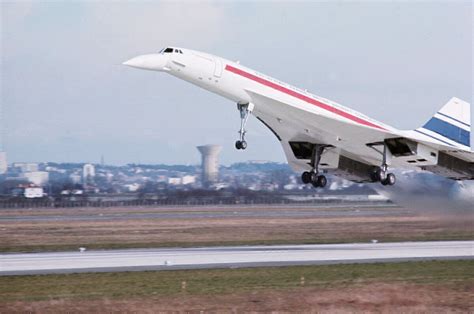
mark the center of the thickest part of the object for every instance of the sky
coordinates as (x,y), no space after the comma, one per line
(66,97)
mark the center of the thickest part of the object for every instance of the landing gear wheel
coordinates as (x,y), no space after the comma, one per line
(245,111)
(241,144)
(306,177)
(315,179)
(374,177)
(380,175)
(389,180)
(322,181)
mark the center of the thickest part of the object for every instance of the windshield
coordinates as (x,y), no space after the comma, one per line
(170,50)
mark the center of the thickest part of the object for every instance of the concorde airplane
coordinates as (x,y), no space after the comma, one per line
(320,136)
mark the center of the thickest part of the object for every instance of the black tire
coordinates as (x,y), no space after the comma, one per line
(374,176)
(322,181)
(314,179)
(315,184)
(243,145)
(380,175)
(306,177)
(238,145)
(391,179)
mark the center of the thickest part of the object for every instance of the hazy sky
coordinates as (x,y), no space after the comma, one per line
(66,97)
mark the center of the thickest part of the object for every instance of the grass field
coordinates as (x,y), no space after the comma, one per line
(435,286)
(348,225)
(432,286)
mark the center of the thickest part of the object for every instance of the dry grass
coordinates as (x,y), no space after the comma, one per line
(69,234)
(374,297)
(430,287)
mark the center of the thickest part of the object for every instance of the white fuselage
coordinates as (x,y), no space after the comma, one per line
(291,113)
(236,82)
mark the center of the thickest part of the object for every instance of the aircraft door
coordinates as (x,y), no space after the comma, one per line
(218,67)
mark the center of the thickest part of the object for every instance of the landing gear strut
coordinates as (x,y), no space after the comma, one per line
(313,176)
(245,111)
(380,174)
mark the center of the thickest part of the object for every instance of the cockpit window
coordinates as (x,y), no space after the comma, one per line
(171,50)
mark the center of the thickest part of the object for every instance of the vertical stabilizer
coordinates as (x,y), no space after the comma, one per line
(451,124)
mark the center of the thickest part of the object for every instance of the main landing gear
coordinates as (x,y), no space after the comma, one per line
(245,111)
(380,174)
(313,176)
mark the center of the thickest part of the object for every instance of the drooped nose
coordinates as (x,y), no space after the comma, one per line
(152,62)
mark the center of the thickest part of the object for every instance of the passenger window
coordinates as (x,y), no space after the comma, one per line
(168,50)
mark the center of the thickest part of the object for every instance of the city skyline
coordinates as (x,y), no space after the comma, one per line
(67,98)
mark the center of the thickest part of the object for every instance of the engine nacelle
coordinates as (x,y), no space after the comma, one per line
(452,167)
(333,162)
(347,168)
(411,153)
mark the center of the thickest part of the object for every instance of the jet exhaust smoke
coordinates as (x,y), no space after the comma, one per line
(421,191)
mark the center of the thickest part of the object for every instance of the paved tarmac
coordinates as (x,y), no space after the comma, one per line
(230,257)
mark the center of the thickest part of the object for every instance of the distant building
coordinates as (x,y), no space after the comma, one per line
(26,166)
(161,179)
(188,180)
(3,163)
(175,181)
(133,187)
(75,178)
(33,192)
(88,174)
(209,163)
(258,162)
(72,192)
(39,178)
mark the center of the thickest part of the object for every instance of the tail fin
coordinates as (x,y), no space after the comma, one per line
(452,123)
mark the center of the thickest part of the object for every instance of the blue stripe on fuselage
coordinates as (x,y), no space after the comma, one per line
(448,130)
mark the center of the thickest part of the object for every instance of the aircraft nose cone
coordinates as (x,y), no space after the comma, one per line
(153,62)
(134,62)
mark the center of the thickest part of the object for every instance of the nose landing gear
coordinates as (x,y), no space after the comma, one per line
(245,111)
(313,176)
(240,144)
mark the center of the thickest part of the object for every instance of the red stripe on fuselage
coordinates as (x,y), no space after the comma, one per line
(301,97)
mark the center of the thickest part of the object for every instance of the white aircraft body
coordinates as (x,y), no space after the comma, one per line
(320,136)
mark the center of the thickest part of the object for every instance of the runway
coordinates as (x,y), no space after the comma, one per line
(230,257)
(221,212)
